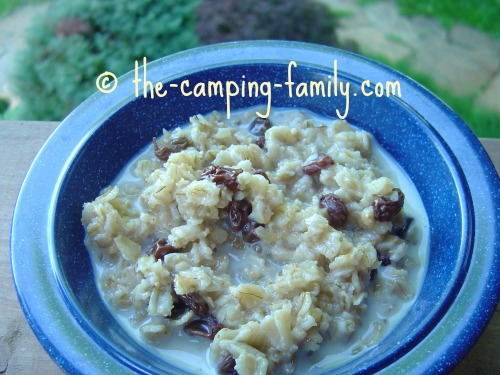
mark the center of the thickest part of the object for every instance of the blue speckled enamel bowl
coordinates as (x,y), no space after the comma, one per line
(452,172)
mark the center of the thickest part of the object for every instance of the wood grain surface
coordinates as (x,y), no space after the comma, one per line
(20,352)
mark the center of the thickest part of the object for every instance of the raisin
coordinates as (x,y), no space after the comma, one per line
(226,366)
(335,208)
(239,220)
(318,164)
(162,248)
(385,208)
(262,173)
(401,229)
(206,327)
(248,231)
(259,126)
(384,259)
(261,142)
(195,302)
(180,143)
(178,309)
(162,153)
(238,214)
(177,145)
(222,175)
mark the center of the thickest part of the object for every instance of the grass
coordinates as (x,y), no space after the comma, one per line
(483,123)
(482,15)
(7,6)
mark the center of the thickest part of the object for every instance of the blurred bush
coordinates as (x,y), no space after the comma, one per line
(300,20)
(4,105)
(80,39)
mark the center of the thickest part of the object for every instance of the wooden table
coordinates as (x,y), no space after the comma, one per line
(20,352)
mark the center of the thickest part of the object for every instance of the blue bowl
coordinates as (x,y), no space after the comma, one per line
(452,172)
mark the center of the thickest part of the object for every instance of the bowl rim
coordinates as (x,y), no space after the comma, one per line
(61,334)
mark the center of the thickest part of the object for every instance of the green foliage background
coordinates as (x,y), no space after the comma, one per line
(7,6)
(483,15)
(300,20)
(77,40)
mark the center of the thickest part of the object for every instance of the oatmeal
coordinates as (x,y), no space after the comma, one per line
(265,239)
